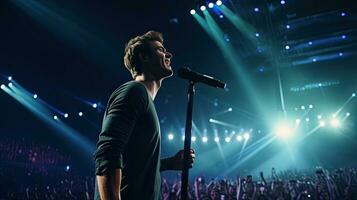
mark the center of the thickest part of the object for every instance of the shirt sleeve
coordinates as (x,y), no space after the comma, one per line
(122,113)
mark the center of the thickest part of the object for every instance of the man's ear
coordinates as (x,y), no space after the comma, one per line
(143,57)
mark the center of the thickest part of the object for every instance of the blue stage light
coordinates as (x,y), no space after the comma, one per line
(170,136)
(9,78)
(343,36)
(80,114)
(3,86)
(287,47)
(35,96)
(221,16)
(256,9)
(340,54)
(343,14)
(227,139)
(246,136)
(65,115)
(203,8)
(211,5)
(55,117)
(257,35)
(219,3)
(287,26)
(310,43)
(282,2)
(192,12)
(95,105)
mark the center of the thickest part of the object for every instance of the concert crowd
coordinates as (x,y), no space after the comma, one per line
(31,170)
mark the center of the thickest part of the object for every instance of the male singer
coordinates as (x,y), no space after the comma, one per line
(127,158)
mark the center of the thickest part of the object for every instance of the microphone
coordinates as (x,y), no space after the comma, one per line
(187,73)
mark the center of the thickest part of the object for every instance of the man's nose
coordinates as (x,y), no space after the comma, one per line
(168,55)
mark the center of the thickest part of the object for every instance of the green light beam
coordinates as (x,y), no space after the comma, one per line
(246,29)
(234,63)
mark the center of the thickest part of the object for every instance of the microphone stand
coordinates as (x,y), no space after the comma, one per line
(187,143)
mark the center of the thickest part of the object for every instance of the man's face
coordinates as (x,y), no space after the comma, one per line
(158,63)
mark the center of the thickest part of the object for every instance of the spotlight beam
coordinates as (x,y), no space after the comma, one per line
(45,115)
(234,64)
(223,123)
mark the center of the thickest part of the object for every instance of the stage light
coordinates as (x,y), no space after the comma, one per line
(334,115)
(287,47)
(348,114)
(310,43)
(335,122)
(257,35)
(221,16)
(287,26)
(2,86)
(211,120)
(282,2)
(322,123)
(353,94)
(183,138)
(67,168)
(95,105)
(204,139)
(314,60)
(170,136)
(343,14)
(9,78)
(307,119)
(343,36)
(319,116)
(55,117)
(216,139)
(340,54)
(35,96)
(239,138)
(65,115)
(10,84)
(311,106)
(230,109)
(302,107)
(219,3)
(211,5)
(203,8)
(246,136)
(256,9)
(283,130)
(80,114)
(193,138)
(227,139)
(192,12)
(297,121)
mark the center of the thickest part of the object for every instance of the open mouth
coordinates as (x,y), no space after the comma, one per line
(167,62)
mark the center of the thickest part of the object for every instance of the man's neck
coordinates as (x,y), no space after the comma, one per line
(152,86)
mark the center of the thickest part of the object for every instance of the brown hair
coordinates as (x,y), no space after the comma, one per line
(139,44)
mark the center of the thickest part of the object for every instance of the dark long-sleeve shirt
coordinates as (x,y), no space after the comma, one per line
(130,140)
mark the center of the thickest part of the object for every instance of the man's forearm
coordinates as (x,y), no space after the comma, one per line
(109,185)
